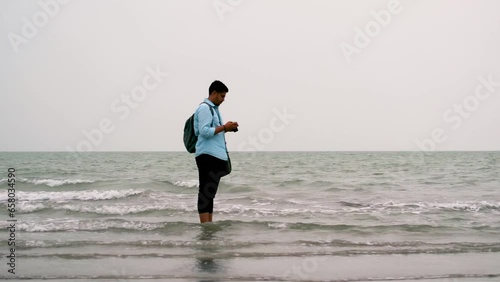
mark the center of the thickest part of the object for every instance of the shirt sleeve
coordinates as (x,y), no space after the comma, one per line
(205,120)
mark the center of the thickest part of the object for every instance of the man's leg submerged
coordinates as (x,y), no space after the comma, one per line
(206,202)
(205,217)
(203,201)
(209,174)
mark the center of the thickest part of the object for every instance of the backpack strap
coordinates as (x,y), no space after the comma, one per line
(220,120)
(211,110)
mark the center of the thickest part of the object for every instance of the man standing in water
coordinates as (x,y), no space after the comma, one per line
(211,152)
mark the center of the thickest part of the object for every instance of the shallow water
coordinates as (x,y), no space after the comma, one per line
(279,216)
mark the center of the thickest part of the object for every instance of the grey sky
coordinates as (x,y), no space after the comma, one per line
(418,74)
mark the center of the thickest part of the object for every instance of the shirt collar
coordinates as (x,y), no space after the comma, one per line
(210,103)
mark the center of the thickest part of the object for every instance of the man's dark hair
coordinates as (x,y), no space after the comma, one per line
(217,86)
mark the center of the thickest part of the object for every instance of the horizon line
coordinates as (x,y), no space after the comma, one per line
(260,151)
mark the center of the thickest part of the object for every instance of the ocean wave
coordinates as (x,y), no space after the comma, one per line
(457,246)
(246,249)
(361,228)
(126,208)
(27,207)
(172,205)
(403,244)
(85,195)
(55,182)
(276,253)
(96,225)
(353,205)
(470,206)
(121,224)
(27,244)
(467,206)
(228,187)
(186,183)
(246,206)
(255,208)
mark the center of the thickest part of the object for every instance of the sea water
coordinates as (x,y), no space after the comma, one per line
(284,216)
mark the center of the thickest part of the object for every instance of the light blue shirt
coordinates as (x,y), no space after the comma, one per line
(204,127)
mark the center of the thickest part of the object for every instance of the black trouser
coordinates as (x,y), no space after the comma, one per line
(210,170)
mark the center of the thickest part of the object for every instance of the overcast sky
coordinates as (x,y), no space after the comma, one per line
(124,75)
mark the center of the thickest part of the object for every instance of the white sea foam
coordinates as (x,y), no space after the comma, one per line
(473,206)
(27,207)
(187,183)
(179,205)
(161,201)
(86,195)
(36,244)
(55,182)
(86,225)
(468,206)
(124,208)
(277,225)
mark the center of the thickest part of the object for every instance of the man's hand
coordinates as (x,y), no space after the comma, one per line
(231,126)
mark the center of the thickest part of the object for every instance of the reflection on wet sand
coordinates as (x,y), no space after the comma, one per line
(208,247)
